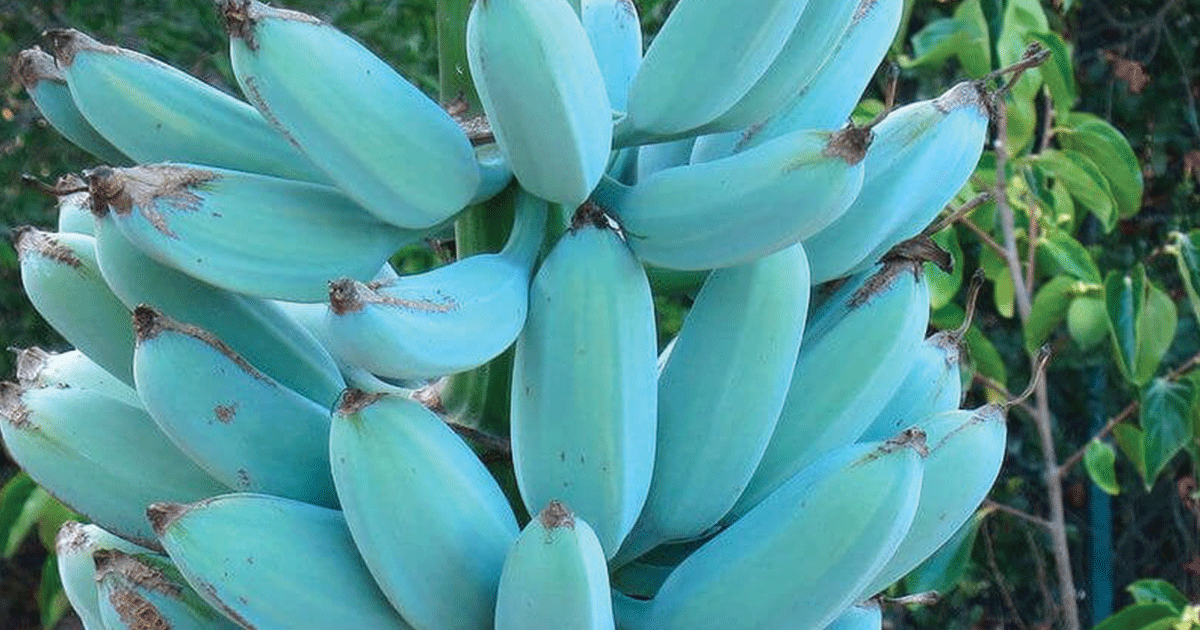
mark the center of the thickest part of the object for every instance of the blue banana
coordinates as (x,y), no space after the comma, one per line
(141,591)
(73,548)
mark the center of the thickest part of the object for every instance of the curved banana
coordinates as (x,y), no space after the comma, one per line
(301,571)
(922,155)
(243,232)
(375,135)
(828,98)
(256,329)
(103,458)
(615,32)
(555,573)
(856,350)
(448,320)
(428,519)
(720,394)
(73,549)
(153,112)
(664,98)
(63,281)
(966,450)
(779,566)
(37,368)
(585,435)
(144,591)
(47,87)
(544,95)
(243,427)
(737,209)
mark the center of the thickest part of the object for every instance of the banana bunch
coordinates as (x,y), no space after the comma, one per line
(261,417)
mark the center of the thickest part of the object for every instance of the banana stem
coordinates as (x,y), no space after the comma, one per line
(454,74)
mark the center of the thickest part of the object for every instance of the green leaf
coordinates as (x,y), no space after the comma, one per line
(1084,180)
(1069,255)
(986,360)
(1048,310)
(1155,332)
(1100,460)
(1058,71)
(976,54)
(1021,19)
(1137,617)
(1186,249)
(1104,144)
(13,497)
(1158,592)
(937,41)
(1004,293)
(51,599)
(1124,295)
(1131,441)
(1166,416)
(943,570)
(944,286)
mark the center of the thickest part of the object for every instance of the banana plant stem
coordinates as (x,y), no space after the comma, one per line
(454,75)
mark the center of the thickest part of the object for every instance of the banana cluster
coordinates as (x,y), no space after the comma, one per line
(253,416)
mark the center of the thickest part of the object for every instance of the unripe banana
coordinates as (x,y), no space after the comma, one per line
(243,427)
(243,232)
(37,368)
(153,112)
(585,435)
(379,138)
(615,32)
(75,208)
(720,394)
(63,281)
(73,549)
(270,562)
(47,87)
(144,591)
(555,574)
(544,95)
(779,566)
(428,519)
(656,157)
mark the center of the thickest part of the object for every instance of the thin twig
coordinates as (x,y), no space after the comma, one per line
(1007,219)
(984,237)
(955,215)
(999,387)
(1043,580)
(1031,246)
(1005,590)
(1021,514)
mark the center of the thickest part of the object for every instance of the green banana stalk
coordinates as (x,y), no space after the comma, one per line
(779,566)
(734,210)
(431,524)
(37,368)
(922,155)
(243,427)
(103,458)
(856,351)
(74,546)
(584,400)
(243,232)
(141,591)
(664,99)
(615,32)
(544,95)
(300,571)
(63,281)
(448,320)
(47,87)
(374,134)
(720,393)
(556,574)
(966,450)
(256,329)
(153,112)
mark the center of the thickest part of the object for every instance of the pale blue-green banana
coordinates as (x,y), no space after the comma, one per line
(144,591)
(47,87)
(544,94)
(856,351)
(555,573)
(73,549)
(244,232)
(779,566)
(720,393)
(38,368)
(105,459)
(153,112)
(269,562)
(256,329)
(430,522)
(63,281)
(652,158)
(737,209)
(75,208)
(243,427)
(666,99)
(585,435)
(379,138)
(448,320)
(615,32)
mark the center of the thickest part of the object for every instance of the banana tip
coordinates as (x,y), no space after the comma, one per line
(162,515)
(65,43)
(557,515)
(147,323)
(345,297)
(71,536)
(850,144)
(32,241)
(354,400)
(35,65)
(12,408)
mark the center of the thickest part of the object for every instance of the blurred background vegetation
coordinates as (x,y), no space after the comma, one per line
(1136,64)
